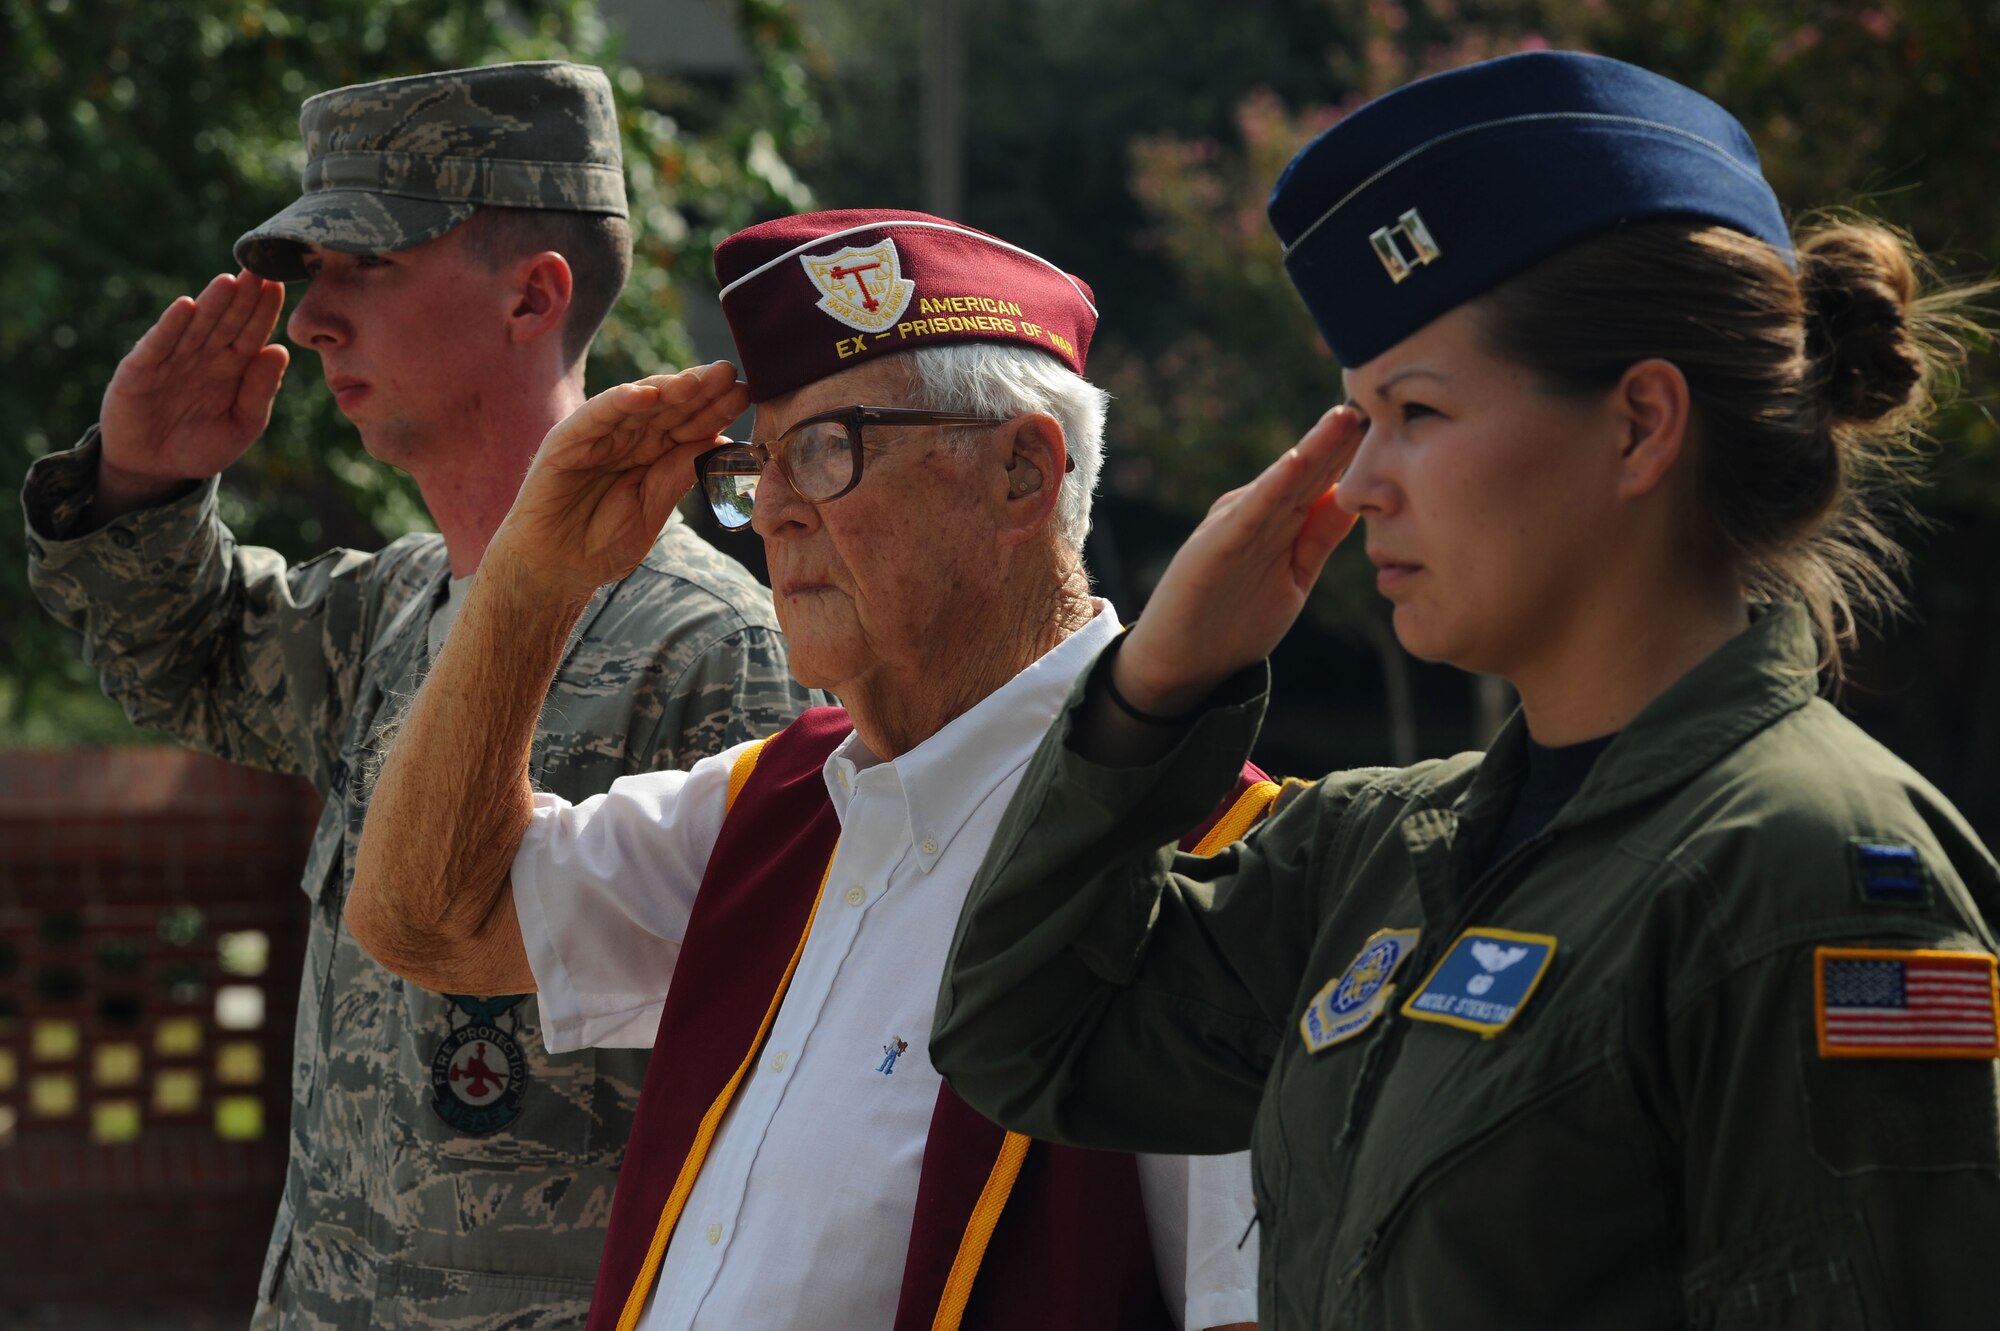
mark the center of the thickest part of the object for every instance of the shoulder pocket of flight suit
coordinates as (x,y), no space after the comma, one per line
(1902,1113)
(1870,1114)
(1804,1274)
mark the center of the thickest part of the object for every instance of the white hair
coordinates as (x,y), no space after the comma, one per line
(998,379)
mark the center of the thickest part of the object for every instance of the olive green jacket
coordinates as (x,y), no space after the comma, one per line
(446,1171)
(1654,1141)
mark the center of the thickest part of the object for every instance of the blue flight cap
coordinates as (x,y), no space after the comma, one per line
(1439,191)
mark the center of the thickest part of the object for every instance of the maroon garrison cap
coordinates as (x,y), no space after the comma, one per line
(811,295)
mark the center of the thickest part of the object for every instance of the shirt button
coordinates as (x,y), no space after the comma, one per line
(778,1060)
(841,774)
(713,1233)
(855,896)
(928,846)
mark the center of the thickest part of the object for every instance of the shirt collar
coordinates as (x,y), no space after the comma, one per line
(946,778)
(1768,670)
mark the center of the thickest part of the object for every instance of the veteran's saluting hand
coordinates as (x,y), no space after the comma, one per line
(192,394)
(607,477)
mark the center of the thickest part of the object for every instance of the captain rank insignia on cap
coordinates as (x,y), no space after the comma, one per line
(1483,981)
(1497,166)
(1412,231)
(1871,1002)
(1350,1002)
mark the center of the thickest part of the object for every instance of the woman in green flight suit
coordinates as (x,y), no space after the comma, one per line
(1678,1006)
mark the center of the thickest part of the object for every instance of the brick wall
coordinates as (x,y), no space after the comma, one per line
(151,933)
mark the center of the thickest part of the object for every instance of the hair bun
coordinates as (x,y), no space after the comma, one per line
(1859,284)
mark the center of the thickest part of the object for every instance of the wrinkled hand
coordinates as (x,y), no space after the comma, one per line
(606,479)
(195,392)
(1240,580)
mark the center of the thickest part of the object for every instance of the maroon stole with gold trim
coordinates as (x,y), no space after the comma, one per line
(1065,1224)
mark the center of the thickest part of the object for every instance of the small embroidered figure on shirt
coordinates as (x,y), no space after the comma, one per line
(890,1053)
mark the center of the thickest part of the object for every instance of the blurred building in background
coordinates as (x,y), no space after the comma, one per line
(151,933)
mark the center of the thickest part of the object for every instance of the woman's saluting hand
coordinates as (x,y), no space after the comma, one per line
(1240,580)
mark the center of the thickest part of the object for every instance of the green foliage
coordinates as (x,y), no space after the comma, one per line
(139,138)
(1054,90)
(1236,389)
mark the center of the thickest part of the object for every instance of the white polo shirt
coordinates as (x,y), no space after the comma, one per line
(801,1215)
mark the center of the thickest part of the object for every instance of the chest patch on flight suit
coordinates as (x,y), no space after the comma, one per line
(1351,1001)
(1888,873)
(1483,981)
(1905,1003)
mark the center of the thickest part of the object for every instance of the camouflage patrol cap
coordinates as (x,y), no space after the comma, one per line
(396,163)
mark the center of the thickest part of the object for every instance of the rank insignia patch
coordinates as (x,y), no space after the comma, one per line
(1484,980)
(864,288)
(1888,873)
(1905,1003)
(1349,1003)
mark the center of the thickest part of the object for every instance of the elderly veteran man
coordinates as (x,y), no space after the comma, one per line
(462,235)
(773,920)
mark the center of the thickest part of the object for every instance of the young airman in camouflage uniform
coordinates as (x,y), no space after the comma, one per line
(445,1170)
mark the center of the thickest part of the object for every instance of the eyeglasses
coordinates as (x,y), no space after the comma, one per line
(819,456)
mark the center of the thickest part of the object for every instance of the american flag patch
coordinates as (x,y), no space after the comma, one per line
(1919,1003)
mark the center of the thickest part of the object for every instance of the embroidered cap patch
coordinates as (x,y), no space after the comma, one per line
(862,286)
(1350,1002)
(1484,981)
(1915,1003)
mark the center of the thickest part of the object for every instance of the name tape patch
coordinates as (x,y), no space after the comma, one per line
(1483,981)
(1905,1003)
(1352,1000)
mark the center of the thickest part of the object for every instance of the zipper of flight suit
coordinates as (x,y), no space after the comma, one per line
(1439,1167)
(1476,896)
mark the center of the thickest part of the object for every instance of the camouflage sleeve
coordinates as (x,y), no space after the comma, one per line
(222,646)
(683,660)
(739,689)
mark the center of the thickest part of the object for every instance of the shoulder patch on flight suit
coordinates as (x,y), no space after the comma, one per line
(1483,981)
(1351,1001)
(1888,873)
(1871,1002)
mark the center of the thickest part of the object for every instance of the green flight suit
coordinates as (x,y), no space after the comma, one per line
(1655,1141)
(417,1193)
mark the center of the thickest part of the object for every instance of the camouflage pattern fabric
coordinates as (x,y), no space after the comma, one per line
(396,163)
(446,1171)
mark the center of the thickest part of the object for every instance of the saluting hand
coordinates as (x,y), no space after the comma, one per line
(191,395)
(606,479)
(1240,580)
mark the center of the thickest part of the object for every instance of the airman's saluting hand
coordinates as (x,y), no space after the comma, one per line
(193,393)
